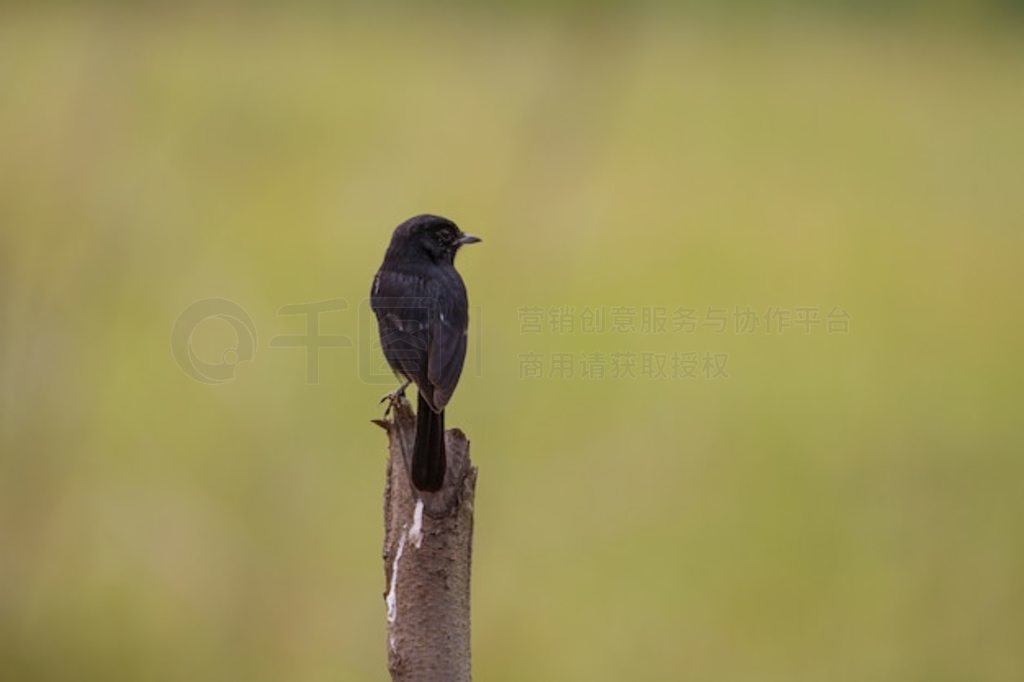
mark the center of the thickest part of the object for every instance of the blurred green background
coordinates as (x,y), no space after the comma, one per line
(841,506)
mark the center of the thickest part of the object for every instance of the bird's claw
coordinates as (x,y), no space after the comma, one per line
(393,397)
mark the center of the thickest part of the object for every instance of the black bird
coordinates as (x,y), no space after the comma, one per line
(422,315)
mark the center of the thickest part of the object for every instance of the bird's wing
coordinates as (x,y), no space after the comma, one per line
(448,324)
(403,304)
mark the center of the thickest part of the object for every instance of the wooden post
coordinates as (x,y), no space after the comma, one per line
(428,543)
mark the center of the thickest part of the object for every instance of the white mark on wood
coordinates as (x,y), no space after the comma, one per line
(414,535)
(416,532)
(392,598)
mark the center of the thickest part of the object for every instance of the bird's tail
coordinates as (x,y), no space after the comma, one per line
(428,458)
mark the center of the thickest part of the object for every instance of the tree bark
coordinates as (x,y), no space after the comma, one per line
(428,543)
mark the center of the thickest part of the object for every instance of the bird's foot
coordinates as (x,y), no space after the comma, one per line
(394,396)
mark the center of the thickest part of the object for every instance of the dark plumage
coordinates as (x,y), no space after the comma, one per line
(422,316)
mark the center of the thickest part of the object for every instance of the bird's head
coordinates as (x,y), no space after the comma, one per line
(437,237)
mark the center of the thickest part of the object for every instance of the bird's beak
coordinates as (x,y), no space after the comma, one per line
(467,239)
